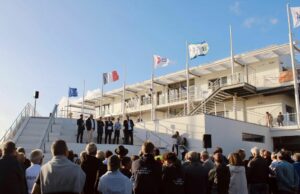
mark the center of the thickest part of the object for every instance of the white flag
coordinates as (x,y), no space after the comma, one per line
(296,16)
(196,50)
(159,61)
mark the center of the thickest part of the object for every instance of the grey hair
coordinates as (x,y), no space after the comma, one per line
(255,151)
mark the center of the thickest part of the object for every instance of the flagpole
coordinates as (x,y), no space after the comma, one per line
(152,96)
(231,54)
(187,79)
(295,76)
(123,100)
(82,107)
(100,105)
(68,103)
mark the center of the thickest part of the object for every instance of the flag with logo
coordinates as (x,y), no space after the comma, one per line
(110,77)
(159,61)
(73,92)
(296,16)
(196,50)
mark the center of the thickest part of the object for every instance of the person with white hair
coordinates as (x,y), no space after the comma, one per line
(91,167)
(36,158)
(258,173)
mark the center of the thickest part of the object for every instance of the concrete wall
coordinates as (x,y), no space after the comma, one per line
(227,133)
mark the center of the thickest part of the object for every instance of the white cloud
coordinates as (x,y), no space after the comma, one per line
(235,8)
(274,21)
(249,22)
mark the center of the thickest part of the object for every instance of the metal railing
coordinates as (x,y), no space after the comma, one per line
(10,133)
(49,129)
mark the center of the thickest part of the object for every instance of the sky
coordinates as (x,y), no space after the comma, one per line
(50,46)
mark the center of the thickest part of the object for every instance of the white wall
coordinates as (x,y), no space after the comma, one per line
(227,134)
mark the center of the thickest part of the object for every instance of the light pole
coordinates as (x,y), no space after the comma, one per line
(36,96)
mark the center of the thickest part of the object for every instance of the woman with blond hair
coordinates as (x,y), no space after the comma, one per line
(238,181)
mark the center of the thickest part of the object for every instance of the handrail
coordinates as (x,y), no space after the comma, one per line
(49,128)
(27,111)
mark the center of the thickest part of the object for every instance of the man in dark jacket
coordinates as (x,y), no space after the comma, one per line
(100,126)
(91,167)
(12,177)
(195,175)
(146,172)
(90,127)
(80,128)
(219,176)
(258,173)
(128,130)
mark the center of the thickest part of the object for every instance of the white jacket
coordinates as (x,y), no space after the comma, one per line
(238,181)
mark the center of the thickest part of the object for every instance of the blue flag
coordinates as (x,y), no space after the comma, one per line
(73,92)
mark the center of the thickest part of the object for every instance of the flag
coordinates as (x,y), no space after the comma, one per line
(159,61)
(196,50)
(73,92)
(110,77)
(296,16)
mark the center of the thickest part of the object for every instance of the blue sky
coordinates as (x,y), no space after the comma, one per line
(51,45)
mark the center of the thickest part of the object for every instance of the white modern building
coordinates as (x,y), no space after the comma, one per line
(227,101)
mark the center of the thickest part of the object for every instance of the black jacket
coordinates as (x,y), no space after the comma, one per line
(88,124)
(146,173)
(91,167)
(80,124)
(172,180)
(109,124)
(125,124)
(195,178)
(258,171)
(100,126)
(12,176)
(219,179)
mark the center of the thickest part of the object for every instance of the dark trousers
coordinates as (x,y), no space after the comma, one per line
(99,136)
(79,135)
(175,146)
(108,135)
(258,188)
(128,134)
(116,136)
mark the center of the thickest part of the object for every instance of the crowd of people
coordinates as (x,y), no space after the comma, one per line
(96,171)
(107,125)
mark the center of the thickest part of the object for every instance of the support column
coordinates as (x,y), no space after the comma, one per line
(215,104)
(234,106)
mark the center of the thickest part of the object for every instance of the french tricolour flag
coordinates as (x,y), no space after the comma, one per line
(110,77)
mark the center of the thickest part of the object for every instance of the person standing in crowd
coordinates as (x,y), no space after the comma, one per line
(36,158)
(238,181)
(121,151)
(128,130)
(219,176)
(100,127)
(26,163)
(146,172)
(126,166)
(12,177)
(220,150)
(207,162)
(117,128)
(59,174)
(258,173)
(195,175)
(297,168)
(80,128)
(90,127)
(172,177)
(280,119)
(177,141)
(91,167)
(113,181)
(287,177)
(109,127)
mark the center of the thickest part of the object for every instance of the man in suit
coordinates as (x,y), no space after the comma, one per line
(128,130)
(80,128)
(90,127)
(100,126)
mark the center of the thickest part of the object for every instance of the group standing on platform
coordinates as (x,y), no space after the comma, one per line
(109,126)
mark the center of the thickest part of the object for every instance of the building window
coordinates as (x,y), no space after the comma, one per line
(253,137)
